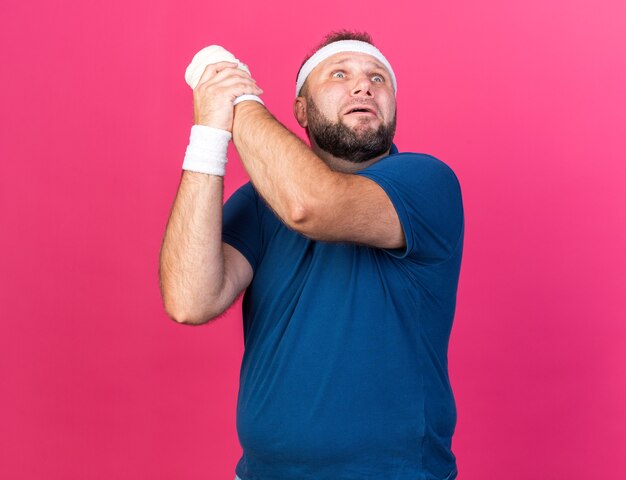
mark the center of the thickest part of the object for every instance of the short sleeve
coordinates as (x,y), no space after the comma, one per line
(240,223)
(427,197)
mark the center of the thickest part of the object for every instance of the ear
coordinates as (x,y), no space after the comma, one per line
(299,111)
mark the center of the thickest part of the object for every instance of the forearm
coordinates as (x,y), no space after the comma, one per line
(191,267)
(284,170)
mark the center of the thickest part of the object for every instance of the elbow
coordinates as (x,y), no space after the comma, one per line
(180,304)
(186,319)
(309,212)
(301,217)
(299,220)
(188,316)
(298,215)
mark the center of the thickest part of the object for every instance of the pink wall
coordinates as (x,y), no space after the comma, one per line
(525,100)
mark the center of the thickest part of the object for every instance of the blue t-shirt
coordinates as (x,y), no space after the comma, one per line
(345,374)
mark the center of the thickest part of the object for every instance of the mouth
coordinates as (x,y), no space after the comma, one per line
(361,110)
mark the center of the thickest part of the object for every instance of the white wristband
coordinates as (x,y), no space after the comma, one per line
(206,152)
(241,98)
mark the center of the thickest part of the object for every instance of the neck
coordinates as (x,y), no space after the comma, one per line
(341,164)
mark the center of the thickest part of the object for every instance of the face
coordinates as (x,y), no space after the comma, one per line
(350,107)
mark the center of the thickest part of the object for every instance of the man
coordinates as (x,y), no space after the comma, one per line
(349,253)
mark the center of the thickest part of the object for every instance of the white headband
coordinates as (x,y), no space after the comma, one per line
(338,47)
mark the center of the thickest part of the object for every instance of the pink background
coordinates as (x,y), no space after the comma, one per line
(524,100)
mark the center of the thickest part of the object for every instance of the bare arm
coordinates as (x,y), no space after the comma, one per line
(199,275)
(312,199)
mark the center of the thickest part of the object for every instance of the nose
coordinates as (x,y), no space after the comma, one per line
(362,86)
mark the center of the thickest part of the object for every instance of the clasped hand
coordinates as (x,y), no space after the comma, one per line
(220,84)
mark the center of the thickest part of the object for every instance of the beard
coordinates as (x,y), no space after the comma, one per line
(355,144)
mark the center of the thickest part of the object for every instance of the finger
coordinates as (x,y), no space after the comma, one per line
(226,90)
(233,88)
(229,73)
(228,77)
(213,68)
(228,84)
(244,89)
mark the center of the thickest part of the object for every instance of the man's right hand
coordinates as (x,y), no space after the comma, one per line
(220,84)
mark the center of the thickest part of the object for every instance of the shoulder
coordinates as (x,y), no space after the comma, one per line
(247,190)
(427,198)
(247,197)
(245,194)
(414,169)
(422,161)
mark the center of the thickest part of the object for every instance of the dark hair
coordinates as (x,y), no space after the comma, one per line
(335,37)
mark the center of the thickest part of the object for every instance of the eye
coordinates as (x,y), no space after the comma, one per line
(379,77)
(338,72)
